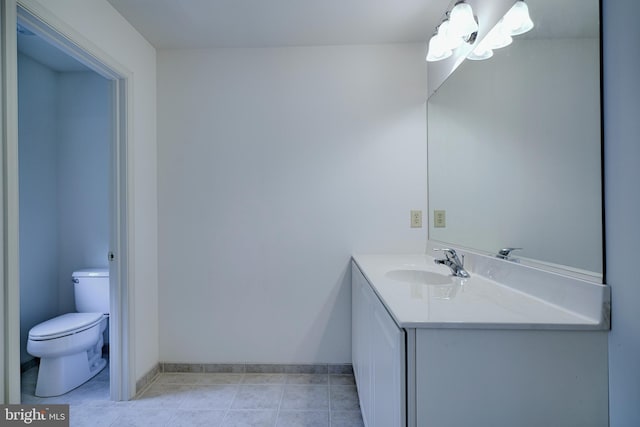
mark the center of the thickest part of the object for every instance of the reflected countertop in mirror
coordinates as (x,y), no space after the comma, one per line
(514,145)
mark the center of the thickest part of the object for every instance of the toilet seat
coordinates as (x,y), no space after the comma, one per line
(64,325)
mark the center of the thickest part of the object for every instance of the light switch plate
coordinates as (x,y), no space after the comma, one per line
(439,219)
(416,219)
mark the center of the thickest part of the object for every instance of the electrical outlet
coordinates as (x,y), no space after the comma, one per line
(416,219)
(439,219)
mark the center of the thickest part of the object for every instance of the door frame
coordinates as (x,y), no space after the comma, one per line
(44,24)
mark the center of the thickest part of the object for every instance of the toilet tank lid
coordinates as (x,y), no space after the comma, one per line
(64,324)
(91,272)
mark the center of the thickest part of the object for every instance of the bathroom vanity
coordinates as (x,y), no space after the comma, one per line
(514,160)
(509,346)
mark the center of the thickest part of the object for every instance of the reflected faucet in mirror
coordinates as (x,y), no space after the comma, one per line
(505,254)
(452,261)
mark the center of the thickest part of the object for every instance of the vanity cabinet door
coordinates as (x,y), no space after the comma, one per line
(378,357)
(361,333)
(388,367)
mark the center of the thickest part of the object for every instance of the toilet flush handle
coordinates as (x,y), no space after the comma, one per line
(74,280)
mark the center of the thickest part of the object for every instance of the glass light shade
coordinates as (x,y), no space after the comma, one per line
(462,22)
(437,49)
(481,52)
(498,37)
(517,20)
(451,41)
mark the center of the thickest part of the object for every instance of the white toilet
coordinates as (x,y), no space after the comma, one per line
(70,346)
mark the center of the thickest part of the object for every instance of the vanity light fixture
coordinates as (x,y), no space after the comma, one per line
(438,49)
(462,22)
(481,52)
(450,39)
(499,37)
(459,27)
(515,22)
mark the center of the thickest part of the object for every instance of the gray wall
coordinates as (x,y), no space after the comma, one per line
(83,174)
(622,204)
(64,169)
(38,172)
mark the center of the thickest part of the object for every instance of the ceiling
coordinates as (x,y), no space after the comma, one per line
(170,24)
(265,23)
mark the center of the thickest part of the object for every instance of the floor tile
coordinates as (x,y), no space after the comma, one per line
(197,418)
(307,379)
(344,398)
(29,398)
(162,396)
(143,417)
(93,416)
(303,419)
(177,378)
(29,377)
(258,397)
(342,379)
(249,418)
(264,379)
(91,391)
(305,397)
(102,375)
(215,400)
(346,419)
(220,378)
(209,397)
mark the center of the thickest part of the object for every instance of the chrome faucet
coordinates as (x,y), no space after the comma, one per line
(452,261)
(505,253)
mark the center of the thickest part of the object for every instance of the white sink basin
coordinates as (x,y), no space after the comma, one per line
(421,277)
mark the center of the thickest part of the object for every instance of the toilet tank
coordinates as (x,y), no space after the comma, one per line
(91,290)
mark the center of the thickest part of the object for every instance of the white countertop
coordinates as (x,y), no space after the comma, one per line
(477,302)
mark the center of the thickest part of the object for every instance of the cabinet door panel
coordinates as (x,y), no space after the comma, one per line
(361,342)
(378,357)
(388,375)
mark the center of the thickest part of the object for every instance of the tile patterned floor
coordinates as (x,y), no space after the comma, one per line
(214,400)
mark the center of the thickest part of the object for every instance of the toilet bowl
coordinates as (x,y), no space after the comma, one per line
(70,346)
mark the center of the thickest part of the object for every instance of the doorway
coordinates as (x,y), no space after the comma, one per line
(64,141)
(115,245)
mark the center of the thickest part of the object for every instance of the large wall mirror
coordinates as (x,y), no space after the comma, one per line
(514,145)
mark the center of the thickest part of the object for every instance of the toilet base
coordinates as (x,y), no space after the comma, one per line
(59,375)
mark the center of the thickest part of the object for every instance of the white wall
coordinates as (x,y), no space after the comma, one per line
(529,168)
(275,165)
(38,172)
(97,23)
(622,205)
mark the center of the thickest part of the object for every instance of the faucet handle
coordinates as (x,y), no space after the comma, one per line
(504,253)
(451,255)
(448,250)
